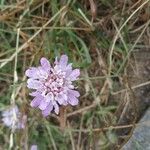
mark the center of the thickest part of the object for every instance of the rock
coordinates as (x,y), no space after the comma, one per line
(140,140)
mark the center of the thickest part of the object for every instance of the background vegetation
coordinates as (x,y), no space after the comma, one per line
(100,37)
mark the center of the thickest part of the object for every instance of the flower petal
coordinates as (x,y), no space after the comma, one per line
(74,93)
(34,84)
(47,111)
(7,121)
(63,60)
(42,73)
(60,101)
(36,73)
(61,98)
(32,72)
(74,74)
(49,97)
(43,104)
(56,108)
(36,101)
(72,100)
(45,64)
(68,70)
(34,147)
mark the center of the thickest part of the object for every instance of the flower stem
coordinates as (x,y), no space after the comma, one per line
(62,118)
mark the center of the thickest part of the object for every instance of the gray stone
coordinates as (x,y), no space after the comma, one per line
(140,139)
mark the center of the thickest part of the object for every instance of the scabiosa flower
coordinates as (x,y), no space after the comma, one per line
(34,147)
(13,118)
(52,85)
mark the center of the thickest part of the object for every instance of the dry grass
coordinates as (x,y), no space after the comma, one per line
(100,37)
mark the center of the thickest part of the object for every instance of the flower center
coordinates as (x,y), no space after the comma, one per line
(55,82)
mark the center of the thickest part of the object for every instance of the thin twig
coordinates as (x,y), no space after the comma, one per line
(25,45)
(118,32)
(133,87)
(71,137)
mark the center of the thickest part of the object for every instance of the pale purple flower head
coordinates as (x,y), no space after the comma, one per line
(34,147)
(53,85)
(13,118)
